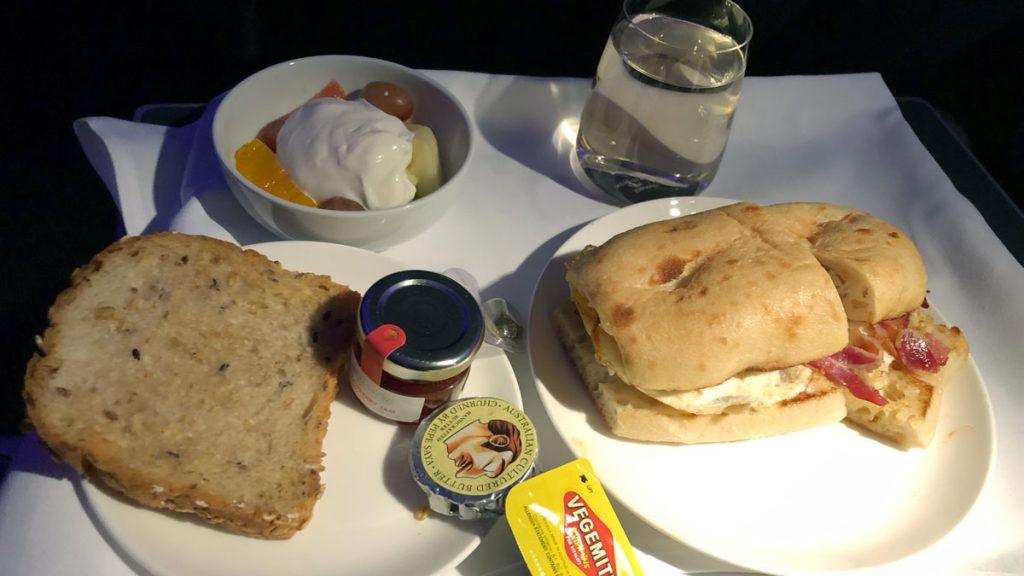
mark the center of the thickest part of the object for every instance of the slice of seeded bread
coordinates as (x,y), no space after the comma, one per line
(191,375)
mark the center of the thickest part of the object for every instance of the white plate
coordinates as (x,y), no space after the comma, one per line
(364,522)
(822,500)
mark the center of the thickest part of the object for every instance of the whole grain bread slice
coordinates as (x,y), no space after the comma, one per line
(194,376)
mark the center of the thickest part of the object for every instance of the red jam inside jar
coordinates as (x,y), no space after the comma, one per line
(441,329)
(434,394)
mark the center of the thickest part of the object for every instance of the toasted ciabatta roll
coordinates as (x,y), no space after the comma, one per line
(191,375)
(683,304)
(741,309)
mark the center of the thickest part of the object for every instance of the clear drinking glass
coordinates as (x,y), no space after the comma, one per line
(666,88)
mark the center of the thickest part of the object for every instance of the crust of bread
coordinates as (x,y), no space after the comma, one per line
(862,253)
(911,416)
(788,222)
(685,303)
(632,414)
(193,376)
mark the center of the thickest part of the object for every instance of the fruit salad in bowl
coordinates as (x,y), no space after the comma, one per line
(344,149)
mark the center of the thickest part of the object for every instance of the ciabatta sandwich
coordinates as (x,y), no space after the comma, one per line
(736,323)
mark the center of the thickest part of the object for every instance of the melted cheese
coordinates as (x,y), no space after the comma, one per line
(751,388)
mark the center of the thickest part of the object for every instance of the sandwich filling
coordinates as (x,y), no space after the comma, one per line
(759,389)
(750,388)
(880,344)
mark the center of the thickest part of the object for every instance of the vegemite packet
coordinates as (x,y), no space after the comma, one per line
(565,525)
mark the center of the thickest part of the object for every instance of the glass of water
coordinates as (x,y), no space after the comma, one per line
(666,88)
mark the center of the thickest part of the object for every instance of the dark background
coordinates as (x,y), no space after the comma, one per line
(65,60)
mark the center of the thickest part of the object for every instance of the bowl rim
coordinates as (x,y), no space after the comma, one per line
(216,127)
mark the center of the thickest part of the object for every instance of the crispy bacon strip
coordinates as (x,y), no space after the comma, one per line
(914,350)
(921,351)
(837,370)
(890,329)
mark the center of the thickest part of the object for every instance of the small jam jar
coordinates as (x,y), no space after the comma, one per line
(416,336)
(470,453)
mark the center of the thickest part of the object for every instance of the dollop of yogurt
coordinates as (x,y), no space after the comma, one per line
(332,147)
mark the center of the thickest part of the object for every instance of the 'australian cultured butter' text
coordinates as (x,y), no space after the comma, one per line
(469,453)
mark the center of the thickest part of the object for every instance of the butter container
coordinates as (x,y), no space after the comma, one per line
(469,453)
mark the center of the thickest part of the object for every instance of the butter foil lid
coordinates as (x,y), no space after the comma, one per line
(469,453)
(564,525)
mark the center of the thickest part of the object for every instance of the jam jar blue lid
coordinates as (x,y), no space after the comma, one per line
(441,320)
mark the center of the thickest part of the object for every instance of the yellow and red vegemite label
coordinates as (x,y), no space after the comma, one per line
(565,525)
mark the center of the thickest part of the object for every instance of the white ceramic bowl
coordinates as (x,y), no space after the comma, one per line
(276,90)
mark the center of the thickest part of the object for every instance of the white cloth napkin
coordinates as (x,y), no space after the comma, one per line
(167,178)
(837,139)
